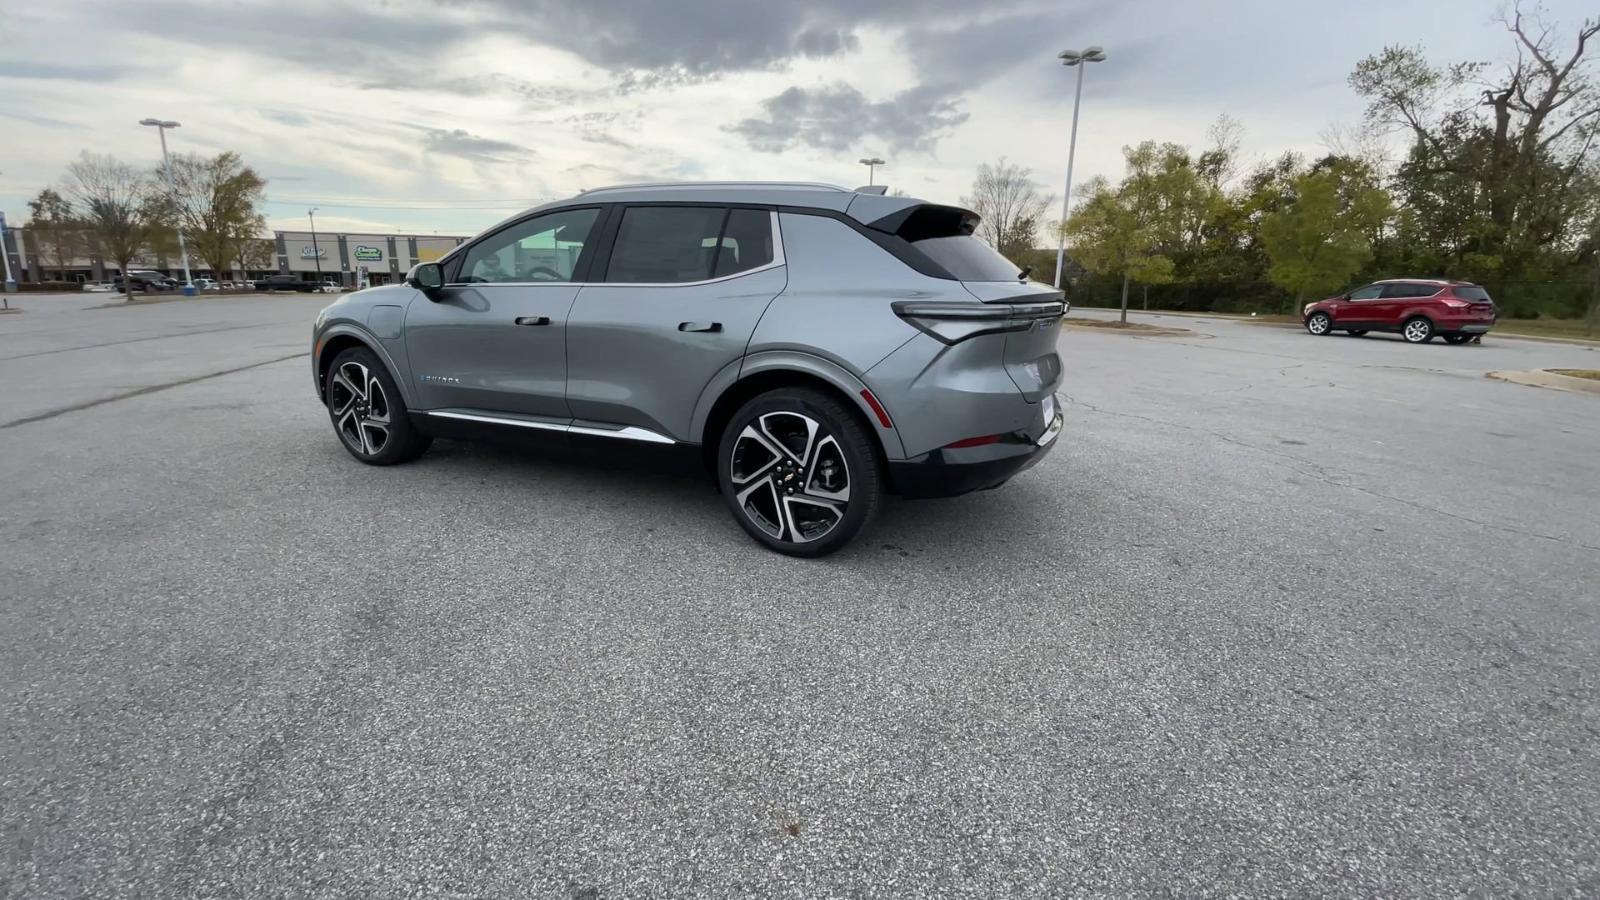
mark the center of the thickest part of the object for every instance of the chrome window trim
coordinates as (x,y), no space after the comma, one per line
(778,259)
(627,432)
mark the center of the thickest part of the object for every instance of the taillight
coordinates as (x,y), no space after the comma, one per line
(974,442)
(1453,303)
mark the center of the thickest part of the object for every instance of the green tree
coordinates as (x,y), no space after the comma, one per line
(1324,235)
(50,217)
(1111,234)
(216,201)
(119,207)
(1496,161)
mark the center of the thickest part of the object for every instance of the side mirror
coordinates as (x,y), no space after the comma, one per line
(426,277)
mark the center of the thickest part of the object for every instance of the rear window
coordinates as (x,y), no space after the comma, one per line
(968,258)
(1472,292)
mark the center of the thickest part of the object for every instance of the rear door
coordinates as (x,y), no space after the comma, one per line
(1403,298)
(494,339)
(671,302)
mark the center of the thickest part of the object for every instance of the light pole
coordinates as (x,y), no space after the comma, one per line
(10,283)
(1072,58)
(871,162)
(316,251)
(161,126)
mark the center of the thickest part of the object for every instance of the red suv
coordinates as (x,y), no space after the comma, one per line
(1417,308)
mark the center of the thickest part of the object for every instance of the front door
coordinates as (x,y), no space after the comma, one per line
(494,339)
(673,303)
(1364,306)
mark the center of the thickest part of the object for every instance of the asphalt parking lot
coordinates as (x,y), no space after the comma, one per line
(1281,615)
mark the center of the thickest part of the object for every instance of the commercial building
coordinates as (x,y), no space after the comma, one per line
(354,259)
(349,259)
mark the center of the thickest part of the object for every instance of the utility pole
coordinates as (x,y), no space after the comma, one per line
(316,251)
(161,125)
(1080,61)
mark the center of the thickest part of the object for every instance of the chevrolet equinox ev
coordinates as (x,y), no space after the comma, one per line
(820,346)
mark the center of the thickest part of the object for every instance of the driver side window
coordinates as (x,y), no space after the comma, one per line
(543,248)
(1370,292)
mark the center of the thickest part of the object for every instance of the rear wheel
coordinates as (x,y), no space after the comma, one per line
(1319,323)
(799,471)
(368,413)
(1417,331)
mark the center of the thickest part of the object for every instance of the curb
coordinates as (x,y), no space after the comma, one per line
(1552,380)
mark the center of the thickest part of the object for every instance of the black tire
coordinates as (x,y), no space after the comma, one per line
(1417,330)
(1356,332)
(1457,338)
(758,499)
(1319,324)
(360,416)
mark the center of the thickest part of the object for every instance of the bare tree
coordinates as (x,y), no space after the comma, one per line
(118,206)
(1008,199)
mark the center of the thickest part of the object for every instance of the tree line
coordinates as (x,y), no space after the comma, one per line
(121,212)
(1498,183)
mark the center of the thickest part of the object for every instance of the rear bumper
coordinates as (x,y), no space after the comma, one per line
(950,472)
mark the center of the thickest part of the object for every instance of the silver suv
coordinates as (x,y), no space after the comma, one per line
(821,346)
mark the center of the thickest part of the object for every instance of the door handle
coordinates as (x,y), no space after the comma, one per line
(713,327)
(533,320)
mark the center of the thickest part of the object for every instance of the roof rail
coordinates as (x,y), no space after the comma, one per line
(768,185)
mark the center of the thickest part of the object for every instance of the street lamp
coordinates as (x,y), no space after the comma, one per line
(161,126)
(316,251)
(870,162)
(1081,60)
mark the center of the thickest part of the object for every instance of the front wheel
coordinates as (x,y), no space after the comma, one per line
(1417,331)
(799,471)
(1319,323)
(368,413)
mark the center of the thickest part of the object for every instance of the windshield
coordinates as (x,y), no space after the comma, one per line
(968,258)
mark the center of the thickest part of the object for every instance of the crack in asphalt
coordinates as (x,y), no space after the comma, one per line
(157,337)
(1328,475)
(140,392)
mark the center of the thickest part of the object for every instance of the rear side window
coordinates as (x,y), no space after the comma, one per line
(1472,292)
(746,242)
(1410,289)
(665,244)
(681,244)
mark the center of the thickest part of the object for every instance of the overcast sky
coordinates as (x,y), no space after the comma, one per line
(446,116)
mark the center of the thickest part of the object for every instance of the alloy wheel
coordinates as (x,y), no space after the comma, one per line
(1318,324)
(1417,331)
(790,476)
(360,408)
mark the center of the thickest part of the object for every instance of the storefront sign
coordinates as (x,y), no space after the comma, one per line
(313,253)
(368,254)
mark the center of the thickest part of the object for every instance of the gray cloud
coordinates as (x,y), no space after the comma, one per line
(457,142)
(974,52)
(840,118)
(91,72)
(700,37)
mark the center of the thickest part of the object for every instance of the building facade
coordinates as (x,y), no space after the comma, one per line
(358,259)
(348,259)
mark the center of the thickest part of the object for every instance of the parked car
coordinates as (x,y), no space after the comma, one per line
(146,280)
(330,287)
(1415,308)
(820,347)
(284,283)
(98,287)
(207,284)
